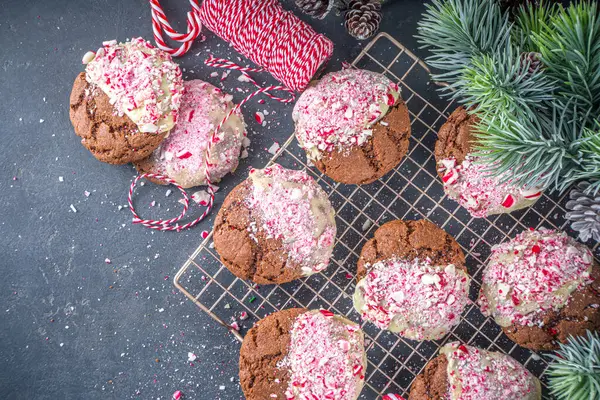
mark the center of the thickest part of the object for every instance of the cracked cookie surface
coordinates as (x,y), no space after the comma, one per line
(264,346)
(410,240)
(377,156)
(455,138)
(110,138)
(432,383)
(581,313)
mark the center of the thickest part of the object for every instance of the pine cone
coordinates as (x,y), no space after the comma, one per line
(315,8)
(532,61)
(362,18)
(585,213)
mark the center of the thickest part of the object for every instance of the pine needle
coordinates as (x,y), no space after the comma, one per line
(457,30)
(505,83)
(575,371)
(569,44)
(529,21)
(530,152)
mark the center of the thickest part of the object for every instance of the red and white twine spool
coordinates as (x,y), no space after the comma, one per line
(275,39)
(271,37)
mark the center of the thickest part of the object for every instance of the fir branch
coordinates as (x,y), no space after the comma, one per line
(456,30)
(530,19)
(575,371)
(587,163)
(504,83)
(570,49)
(530,152)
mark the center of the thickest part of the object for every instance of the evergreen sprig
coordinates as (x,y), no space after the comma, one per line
(537,121)
(570,50)
(588,162)
(530,21)
(504,83)
(575,371)
(457,30)
(529,152)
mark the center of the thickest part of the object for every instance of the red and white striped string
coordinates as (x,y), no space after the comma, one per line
(264,32)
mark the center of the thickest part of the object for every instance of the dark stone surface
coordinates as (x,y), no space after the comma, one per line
(71,325)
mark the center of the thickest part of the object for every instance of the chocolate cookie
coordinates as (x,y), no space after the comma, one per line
(465,176)
(353,125)
(376,157)
(412,280)
(432,383)
(303,354)
(466,372)
(264,347)
(456,137)
(579,315)
(276,226)
(110,138)
(541,287)
(409,240)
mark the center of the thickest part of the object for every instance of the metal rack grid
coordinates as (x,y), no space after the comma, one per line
(411,191)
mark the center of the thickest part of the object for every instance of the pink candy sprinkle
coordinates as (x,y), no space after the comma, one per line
(243,316)
(339,111)
(319,367)
(204,234)
(487,375)
(177,395)
(470,184)
(344,345)
(326,313)
(531,272)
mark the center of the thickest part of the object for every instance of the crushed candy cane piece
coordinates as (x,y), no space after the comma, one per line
(201,197)
(183,154)
(508,201)
(259,117)
(325,359)
(392,396)
(88,57)
(274,148)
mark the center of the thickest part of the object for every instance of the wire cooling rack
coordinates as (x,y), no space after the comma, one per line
(411,191)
